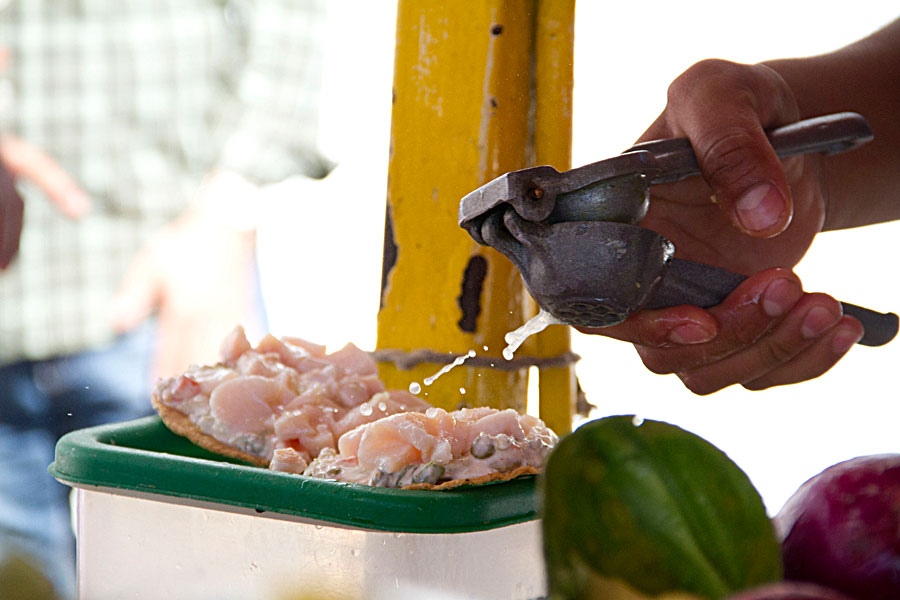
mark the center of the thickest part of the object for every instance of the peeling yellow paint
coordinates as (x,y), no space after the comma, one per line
(464,83)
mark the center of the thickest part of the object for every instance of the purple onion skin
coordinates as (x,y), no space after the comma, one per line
(789,590)
(841,529)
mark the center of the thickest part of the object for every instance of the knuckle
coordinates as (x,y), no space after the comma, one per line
(648,332)
(747,333)
(699,73)
(757,385)
(726,156)
(774,352)
(654,360)
(697,384)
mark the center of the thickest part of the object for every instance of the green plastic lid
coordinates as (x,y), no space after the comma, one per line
(143,455)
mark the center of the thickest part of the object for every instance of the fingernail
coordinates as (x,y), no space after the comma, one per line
(690,333)
(760,207)
(779,296)
(844,339)
(817,321)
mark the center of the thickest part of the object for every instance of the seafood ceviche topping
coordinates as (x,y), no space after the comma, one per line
(284,393)
(288,404)
(435,449)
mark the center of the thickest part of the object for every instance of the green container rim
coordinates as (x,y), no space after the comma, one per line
(144,456)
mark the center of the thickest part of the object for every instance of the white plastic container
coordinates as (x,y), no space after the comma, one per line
(157,517)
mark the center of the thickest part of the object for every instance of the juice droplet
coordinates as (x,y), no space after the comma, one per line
(462,391)
(415,388)
(365,409)
(382,406)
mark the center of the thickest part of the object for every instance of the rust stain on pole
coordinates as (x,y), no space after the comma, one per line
(467,106)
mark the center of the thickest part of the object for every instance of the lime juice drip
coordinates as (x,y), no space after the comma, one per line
(535,324)
(415,388)
(514,339)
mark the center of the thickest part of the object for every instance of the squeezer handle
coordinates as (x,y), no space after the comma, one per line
(688,282)
(828,134)
(879,328)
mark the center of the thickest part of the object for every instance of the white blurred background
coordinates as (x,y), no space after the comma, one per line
(321,249)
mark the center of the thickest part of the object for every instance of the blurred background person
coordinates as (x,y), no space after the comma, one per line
(137,135)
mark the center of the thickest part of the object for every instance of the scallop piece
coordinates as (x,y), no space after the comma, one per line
(310,427)
(352,359)
(293,356)
(234,345)
(310,347)
(379,406)
(242,405)
(497,422)
(389,444)
(288,460)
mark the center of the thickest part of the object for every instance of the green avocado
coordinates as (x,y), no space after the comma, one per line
(656,507)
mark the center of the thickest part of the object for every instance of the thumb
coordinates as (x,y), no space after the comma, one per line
(746,176)
(723,109)
(139,293)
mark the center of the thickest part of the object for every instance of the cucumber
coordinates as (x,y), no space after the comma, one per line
(650,506)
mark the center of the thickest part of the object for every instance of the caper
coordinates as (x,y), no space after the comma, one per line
(381,479)
(483,446)
(392,480)
(429,473)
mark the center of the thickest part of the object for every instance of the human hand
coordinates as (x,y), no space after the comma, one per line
(198,275)
(21,160)
(11,209)
(751,214)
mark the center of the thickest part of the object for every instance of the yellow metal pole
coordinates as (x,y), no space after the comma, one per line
(464,112)
(554,57)
(460,118)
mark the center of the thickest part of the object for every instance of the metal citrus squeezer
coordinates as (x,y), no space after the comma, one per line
(576,241)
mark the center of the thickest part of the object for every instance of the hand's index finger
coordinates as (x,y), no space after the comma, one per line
(27,161)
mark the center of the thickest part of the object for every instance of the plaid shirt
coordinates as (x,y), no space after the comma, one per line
(138,100)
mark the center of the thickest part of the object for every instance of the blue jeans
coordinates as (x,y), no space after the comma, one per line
(39,402)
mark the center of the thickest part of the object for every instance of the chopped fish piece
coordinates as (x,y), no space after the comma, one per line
(281,394)
(288,460)
(438,449)
(289,405)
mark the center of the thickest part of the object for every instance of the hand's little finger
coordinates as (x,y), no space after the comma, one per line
(808,321)
(815,360)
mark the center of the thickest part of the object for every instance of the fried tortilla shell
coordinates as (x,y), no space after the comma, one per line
(490,477)
(180,424)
